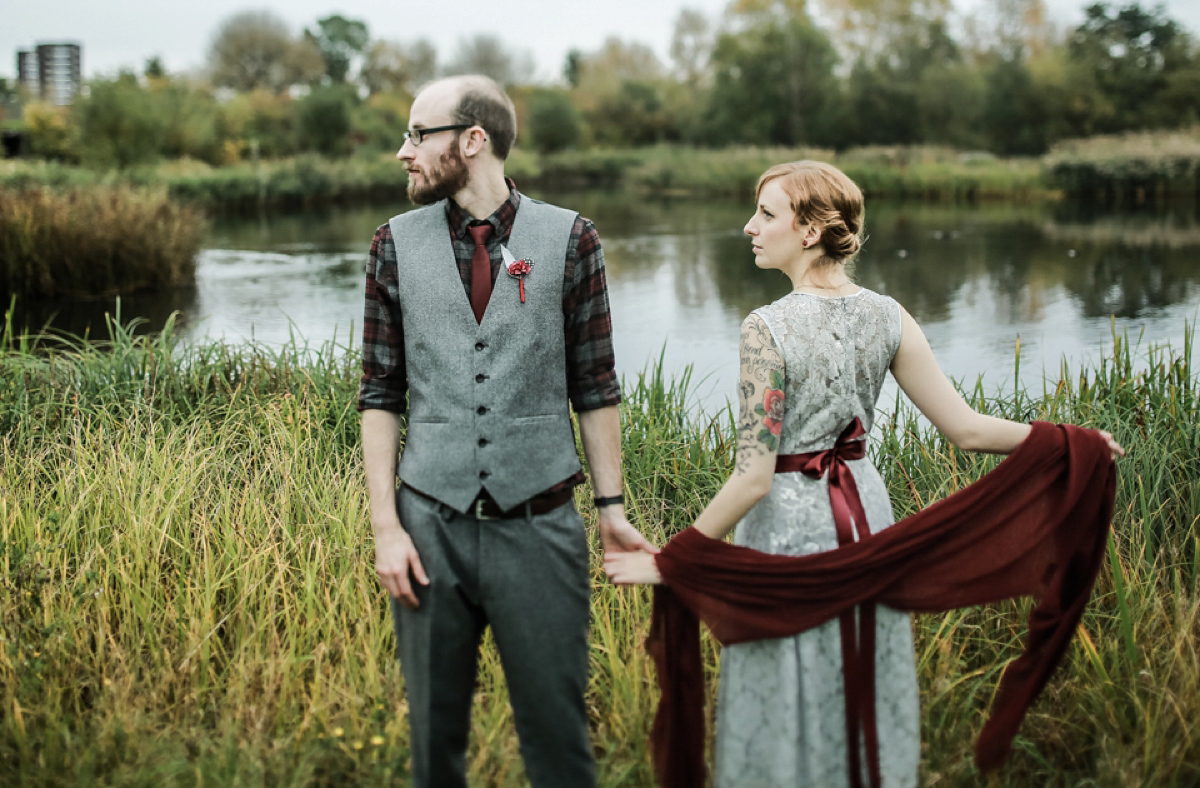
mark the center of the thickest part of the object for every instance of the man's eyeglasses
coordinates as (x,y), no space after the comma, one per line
(417,136)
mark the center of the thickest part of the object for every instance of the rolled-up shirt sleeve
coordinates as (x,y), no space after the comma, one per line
(591,365)
(384,384)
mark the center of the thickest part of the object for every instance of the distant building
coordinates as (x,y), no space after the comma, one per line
(51,72)
(27,72)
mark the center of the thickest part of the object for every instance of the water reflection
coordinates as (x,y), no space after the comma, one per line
(682,278)
(86,318)
(978,279)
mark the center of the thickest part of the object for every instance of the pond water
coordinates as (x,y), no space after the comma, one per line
(980,280)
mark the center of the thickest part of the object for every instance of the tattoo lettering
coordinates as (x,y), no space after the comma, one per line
(756,340)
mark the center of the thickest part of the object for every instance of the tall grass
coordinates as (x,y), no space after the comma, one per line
(188,595)
(1128,169)
(279,183)
(95,241)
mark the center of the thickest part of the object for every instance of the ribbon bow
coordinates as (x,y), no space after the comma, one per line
(843,492)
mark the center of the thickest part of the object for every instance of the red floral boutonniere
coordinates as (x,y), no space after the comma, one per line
(517,268)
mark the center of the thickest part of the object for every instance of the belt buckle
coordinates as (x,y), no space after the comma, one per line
(477,510)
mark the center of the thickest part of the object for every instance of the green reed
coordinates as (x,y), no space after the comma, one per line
(187,594)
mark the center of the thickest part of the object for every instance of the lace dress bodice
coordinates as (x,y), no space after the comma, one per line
(780,710)
(837,352)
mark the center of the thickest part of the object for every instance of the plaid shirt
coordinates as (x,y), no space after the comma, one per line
(591,368)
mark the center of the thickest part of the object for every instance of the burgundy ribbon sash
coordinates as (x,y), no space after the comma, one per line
(1035,526)
(858,647)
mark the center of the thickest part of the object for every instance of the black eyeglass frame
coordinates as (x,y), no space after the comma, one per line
(417,136)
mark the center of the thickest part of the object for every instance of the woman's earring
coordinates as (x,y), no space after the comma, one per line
(804,244)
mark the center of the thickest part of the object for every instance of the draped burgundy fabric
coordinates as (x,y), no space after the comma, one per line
(1035,526)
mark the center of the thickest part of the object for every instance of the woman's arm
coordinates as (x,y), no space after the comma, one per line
(760,423)
(919,376)
(922,380)
(759,426)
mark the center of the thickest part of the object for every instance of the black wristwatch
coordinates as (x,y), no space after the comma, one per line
(609,501)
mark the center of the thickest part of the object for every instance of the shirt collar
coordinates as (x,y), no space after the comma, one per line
(501,220)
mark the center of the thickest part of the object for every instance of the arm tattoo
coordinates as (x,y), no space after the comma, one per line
(771,410)
(760,423)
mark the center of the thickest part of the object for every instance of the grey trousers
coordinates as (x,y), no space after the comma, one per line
(526,578)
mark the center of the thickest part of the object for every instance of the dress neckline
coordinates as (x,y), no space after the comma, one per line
(855,294)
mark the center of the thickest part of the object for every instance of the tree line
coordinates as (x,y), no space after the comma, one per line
(765,72)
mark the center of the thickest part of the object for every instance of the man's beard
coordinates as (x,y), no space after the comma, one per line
(443,180)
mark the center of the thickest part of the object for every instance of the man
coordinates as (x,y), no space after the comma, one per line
(483,530)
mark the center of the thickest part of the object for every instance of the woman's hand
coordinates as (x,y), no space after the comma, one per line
(626,569)
(1115,448)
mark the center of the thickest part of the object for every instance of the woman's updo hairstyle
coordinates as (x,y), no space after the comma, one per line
(821,194)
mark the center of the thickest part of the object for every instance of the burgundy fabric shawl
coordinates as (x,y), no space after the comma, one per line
(1035,526)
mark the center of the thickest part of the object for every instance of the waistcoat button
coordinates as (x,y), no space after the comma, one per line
(480,377)
(480,346)
(481,410)
(483,441)
(484,474)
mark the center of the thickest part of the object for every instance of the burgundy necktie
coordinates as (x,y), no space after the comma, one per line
(481,270)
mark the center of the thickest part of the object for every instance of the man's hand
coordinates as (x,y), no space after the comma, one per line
(617,535)
(395,557)
(395,554)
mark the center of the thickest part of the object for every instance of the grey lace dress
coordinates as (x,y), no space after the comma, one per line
(780,712)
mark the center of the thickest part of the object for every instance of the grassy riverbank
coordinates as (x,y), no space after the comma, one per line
(1129,169)
(916,172)
(188,595)
(926,173)
(283,183)
(73,231)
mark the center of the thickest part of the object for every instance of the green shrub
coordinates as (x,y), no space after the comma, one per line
(50,133)
(120,124)
(378,124)
(265,122)
(553,121)
(325,119)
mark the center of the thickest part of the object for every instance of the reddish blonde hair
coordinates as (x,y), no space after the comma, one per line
(821,194)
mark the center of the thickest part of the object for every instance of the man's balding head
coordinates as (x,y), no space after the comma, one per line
(477,100)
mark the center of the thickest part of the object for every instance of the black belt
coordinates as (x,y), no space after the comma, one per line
(484,508)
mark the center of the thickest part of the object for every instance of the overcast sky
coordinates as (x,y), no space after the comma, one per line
(119,34)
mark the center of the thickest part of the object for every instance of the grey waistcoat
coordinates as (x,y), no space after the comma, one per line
(487,402)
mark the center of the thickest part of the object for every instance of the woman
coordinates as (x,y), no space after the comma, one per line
(813,363)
